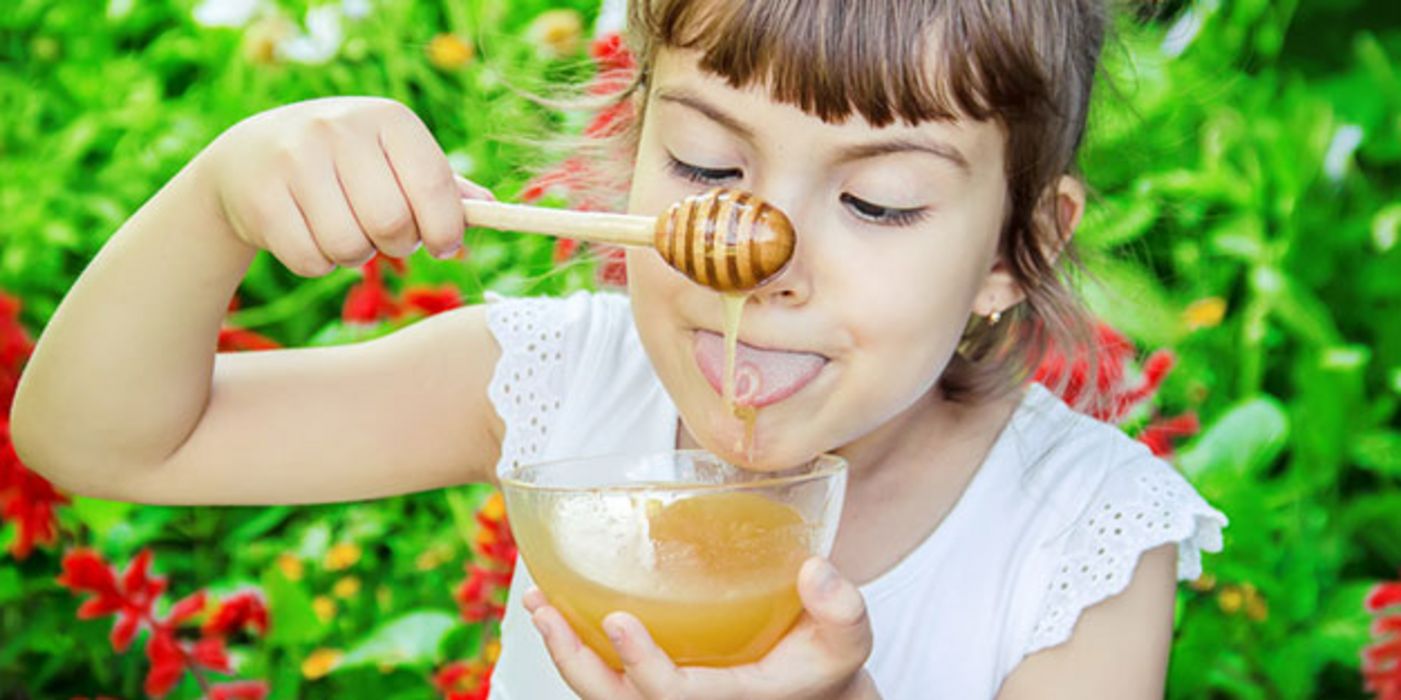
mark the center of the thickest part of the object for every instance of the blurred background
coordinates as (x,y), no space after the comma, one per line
(1244,156)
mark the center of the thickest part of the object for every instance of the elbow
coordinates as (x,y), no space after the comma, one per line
(40,447)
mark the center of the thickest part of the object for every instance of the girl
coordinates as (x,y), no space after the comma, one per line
(993,543)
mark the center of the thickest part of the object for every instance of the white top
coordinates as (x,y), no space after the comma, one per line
(1052,523)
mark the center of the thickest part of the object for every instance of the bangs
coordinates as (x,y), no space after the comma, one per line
(886,60)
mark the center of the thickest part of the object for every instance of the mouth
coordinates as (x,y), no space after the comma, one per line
(763,376)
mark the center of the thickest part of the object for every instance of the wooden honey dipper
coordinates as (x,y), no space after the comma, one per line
(728,240)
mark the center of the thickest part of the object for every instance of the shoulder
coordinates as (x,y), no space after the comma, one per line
(566,364)
(1103,501)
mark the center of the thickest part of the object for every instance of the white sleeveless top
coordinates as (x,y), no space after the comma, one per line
(1052,523)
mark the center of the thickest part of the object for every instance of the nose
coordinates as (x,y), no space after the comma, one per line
(793,285)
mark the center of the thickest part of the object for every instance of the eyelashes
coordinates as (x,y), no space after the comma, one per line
(860,208)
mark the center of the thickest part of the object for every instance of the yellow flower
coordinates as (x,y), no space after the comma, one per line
(324,607)
(261,38)
(491,651)
(346,587)
(1203,583)
(320,663)
(291,567)
(1230,599)
(1204,313)
(1257,609)
(342,556)
(494,507)
(557,33)
(449,52)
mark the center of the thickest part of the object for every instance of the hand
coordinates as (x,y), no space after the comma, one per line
(332,181)
(821,657)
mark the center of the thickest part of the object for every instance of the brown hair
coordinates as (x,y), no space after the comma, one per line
(1028,66)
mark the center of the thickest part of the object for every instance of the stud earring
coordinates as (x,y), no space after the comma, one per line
(994,317)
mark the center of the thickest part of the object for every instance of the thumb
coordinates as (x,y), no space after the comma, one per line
(472,190)
(837,610)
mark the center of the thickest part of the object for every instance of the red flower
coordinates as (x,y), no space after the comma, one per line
(613,270)
(1381,661)
(15,348)
(432,300)
(1111,398)
(26,499)
(481,596)
(461,680)
(232,339)
(370,301)
(133,598)
(238,610)
(239,690)
(611,54)
(1159,434)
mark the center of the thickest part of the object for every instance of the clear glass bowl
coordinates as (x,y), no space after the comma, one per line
(704,553)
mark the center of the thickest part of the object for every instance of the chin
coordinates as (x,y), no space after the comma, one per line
(722,435)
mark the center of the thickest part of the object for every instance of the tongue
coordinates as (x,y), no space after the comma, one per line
(762,377)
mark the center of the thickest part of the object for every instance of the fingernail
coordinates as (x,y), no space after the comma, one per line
(445,254)
(827,578)
(615,634)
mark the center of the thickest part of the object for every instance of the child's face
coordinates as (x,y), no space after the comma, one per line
(897,231)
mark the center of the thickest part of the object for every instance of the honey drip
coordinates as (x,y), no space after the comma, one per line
(734,311)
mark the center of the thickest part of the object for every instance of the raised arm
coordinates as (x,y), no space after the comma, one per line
(126,398)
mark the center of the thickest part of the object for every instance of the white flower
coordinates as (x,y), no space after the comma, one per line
(355,9)
(321,41)
(225,13)
(611,17)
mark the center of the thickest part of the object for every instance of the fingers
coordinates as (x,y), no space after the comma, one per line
(380,208)
(426,179)
(329,216)
(294,245)
(650,669)
(580,667)
(837,610)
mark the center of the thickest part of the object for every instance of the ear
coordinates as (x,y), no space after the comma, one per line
(1000,290)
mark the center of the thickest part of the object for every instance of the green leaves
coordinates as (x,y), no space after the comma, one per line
(411,640)
(1240,443)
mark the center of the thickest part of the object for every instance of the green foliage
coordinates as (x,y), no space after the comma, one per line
(1251,166)
(1242,152)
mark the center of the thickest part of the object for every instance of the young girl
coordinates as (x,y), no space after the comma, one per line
(993,543)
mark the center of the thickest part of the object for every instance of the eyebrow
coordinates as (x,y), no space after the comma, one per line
(904,145)
(712,112)
(849,153)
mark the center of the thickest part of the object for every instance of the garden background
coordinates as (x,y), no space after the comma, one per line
(1244,155)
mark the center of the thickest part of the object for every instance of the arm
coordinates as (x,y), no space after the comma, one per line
(1120,646)
(125,397)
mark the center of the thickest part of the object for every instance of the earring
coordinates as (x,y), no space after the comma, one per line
(994,317)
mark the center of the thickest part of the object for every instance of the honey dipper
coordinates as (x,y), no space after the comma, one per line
(728,240)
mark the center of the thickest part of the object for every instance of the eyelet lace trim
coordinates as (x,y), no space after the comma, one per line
(528,385)
(1141,507)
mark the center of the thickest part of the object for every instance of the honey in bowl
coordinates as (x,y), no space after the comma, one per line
(706,558)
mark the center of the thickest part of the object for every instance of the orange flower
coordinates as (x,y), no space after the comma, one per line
(449,52)
(557,33)
(321,662)
(342,556)
(1204,313)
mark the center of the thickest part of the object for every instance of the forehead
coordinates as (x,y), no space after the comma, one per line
(681,90)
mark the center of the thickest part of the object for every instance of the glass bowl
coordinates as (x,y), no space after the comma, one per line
(704,553)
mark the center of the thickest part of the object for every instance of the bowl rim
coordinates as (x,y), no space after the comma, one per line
(829,465)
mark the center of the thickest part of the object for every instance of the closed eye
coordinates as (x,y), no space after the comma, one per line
(884,216)
(699,175)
